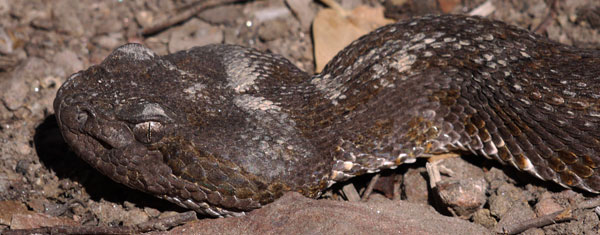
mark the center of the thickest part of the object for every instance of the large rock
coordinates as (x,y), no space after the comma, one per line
(295,214)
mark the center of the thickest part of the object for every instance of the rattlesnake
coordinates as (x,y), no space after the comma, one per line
(225,129)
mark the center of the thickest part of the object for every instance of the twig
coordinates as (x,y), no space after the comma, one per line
(369,189)
(548,19)
(560,216)
(595,202)
(182,16)
(350,192)
(335,6)
(433,167)
(166,223)
(396,189)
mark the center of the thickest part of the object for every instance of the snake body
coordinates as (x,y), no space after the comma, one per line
(225,129)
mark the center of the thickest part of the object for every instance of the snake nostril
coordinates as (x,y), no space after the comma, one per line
(82,117)
(83,114)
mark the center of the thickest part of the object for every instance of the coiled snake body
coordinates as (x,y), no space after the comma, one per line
(224,129)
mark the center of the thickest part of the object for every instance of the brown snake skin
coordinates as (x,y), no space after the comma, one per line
(224,129)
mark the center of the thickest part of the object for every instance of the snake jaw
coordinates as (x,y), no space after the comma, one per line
(111,148)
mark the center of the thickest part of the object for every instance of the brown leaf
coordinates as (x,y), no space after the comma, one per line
(335,29)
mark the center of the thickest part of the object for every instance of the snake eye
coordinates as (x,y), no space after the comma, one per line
(148,132)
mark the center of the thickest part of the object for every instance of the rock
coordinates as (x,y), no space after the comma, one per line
(547,205)
(415,187)
(67,19)
(460,169)
(296,214)
(151,212)
(496,178)
(463,192)
(271,13)
(135,216)
(504,198)
(110,41)
(226,14)
(38,204)
(108,213)
(66,62)
(386,183)
(517,213)
(273,29)
(589,222)
(462,197)
(194,33)
(6,42)
(511,205)
(9,208)
(303,11)
(144,18)
(14,91)
(485,218)
(4,7)
(533,231)
(43,23)
(38,220)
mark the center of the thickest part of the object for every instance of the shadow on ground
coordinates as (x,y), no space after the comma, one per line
(55,154)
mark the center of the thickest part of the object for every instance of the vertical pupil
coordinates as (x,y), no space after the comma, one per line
(149,133)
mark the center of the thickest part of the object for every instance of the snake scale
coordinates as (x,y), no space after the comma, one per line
(225,129)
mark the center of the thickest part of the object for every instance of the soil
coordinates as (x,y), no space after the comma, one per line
(43,42)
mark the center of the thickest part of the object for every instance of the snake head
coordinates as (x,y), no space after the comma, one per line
(176,127)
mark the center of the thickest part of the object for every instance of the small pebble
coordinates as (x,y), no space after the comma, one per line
(462,197)
(484,218)
(194,33)
(547,205)
(273,29)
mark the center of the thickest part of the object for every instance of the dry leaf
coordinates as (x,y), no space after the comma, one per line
(334,29)
(448,5)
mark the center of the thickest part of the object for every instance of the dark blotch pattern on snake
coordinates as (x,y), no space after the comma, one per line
(224,129)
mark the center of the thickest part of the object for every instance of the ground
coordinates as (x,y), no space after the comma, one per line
(43,183)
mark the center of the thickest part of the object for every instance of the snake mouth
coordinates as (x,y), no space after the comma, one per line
(82,118)
(88,132)
(107,145)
